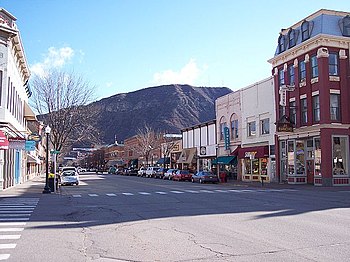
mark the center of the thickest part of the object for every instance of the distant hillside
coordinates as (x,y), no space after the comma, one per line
(166,108)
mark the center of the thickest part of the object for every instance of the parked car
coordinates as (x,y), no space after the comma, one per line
(68,168)
(182,175)
(130,172)
(69,178)
(112,170)
(160,172)
(142,171)
(169,174)
(151,171)
(204,177)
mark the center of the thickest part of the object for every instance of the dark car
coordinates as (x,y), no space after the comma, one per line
(204,177)
(182,175)
(160,172)
(112,170)
(130,172)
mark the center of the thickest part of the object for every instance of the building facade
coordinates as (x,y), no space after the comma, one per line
(311,72)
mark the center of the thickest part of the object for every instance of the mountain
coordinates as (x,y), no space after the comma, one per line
(167,108)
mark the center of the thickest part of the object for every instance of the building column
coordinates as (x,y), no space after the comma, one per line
(344,87)
(323,76)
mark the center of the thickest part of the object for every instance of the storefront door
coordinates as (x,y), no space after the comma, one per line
(310,171)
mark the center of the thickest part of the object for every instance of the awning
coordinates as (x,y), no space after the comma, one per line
(225,160)
(254,152)
(115,163)
(32,159)
(28,113)
(187,155)
(161,161)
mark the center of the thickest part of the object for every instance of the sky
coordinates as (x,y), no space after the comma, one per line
(121,46)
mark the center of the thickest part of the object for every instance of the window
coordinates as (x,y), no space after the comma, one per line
(291,74)
(335,107)
(281,77)
(314,66)
(281,44)
(340,156)
(333,64)
(251,129)
(346,26)
(222,127)
(305,33)
(316,108)
(265,126)
(292,112)
(302,71)
(303,110)
(234,129)
(292,37)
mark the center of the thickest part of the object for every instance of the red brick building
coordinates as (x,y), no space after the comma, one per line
(312,85)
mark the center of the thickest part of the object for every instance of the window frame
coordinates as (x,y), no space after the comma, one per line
(302,71)
(305,30)
(333,66)
(314,66)
(291,77)
(263,124)
(292,112)
(281,44)
(346,26)
(281,77)
(337,108)
(303,111)
(234,128)
(292,41)
(250,131)
(316,110)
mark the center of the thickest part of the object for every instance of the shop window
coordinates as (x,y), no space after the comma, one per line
(291,74)
(316,108)
(281,77)
(303,111)
(317,156)
(292,112)
(251,129)
(302,71)
(305,31)
(248,166)
(335,107)
(300,157)
(333,64)
(263,163)
(291,161)
(255,166)
(314,66)
(340,155)
(265,126)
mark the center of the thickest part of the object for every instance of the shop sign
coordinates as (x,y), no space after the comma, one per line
(227,137)
(283,97)
(203,150)
(17,143)
(30,145)
(4,143)
(284,127)
(35,137)
(250,155)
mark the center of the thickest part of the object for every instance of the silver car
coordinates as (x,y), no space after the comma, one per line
(69,178)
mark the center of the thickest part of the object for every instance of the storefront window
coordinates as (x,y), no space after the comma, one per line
(263,166)
(340,156)
(248,166)
(255,166)
(300,157)
(317,144)
(291,157)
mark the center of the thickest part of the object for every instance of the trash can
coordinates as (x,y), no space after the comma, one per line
(51,182)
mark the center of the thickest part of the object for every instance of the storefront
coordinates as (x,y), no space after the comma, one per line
(187,159)
(255,163)
(227,165)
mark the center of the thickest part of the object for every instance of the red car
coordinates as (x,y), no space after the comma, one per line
(182,175)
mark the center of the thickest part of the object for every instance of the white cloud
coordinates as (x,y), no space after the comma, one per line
(54,58)
(187,75)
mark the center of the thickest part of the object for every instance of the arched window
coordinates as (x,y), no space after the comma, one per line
(305,30)
(346,26)
(281,44)
(234,127)
(292,38)
(223,124)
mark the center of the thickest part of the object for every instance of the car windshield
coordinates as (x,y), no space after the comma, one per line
(207,174)
(68,174)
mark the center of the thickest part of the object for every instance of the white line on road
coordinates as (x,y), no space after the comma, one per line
(144,193)
(76,195)
(93,195)
(206,191)
(177,192)
(7,237)
(128,194)
(12,206)
(161,193)
(192,191)
(13,223)
(7,246)
(111,194)
(4,256)
(15,215)
(221,191)
(12,229)
(14,219)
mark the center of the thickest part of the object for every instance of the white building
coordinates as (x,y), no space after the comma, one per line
(14,108)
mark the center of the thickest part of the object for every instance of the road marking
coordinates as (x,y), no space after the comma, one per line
(7,246)
(177,192)
(4,256)
(76,195)
(13,223)
(15,219)
(15,215)
(128,194)
(7,237)
(12,229)
(221,191)
(18,206)
(206,191)
(144,193)
(93,195)
(192,191)
(111,194)
(161,193)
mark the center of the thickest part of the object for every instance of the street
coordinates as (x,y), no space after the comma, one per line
(122,218)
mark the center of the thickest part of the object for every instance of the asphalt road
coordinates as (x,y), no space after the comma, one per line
(120,218)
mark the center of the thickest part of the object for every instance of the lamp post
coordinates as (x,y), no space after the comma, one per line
(47,188)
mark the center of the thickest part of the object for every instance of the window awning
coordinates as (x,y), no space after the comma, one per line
(187,156)
(254,152)
(163,160)
(225,160)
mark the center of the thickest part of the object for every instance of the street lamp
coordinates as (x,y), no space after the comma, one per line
(47,188)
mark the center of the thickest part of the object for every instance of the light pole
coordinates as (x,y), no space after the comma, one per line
(47,188)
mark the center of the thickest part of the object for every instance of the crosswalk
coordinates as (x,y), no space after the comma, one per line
(14,214)
(178,192)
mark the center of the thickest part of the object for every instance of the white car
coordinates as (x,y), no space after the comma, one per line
(69,177)
(151,171)
(142,171)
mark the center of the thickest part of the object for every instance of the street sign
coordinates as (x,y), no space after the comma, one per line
(55,152)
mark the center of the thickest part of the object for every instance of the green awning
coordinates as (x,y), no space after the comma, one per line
(225,160)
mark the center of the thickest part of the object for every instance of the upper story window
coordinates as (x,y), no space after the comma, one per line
(234,128)
(345,25)
(281,44)
(333,64)
(302,71)
(281,77)
(292,37)
(292,112)
(251,128)
(335,107)
(265,126)
(222,127)
(316,108)
(314,66)
(305,30)
(291,74)
(303,111)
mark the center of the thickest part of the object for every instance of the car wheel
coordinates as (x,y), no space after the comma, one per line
(200,181)
(192,180)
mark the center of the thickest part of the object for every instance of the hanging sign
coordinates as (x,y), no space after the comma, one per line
(4,143)
(30,145)
(17,143)
(227,137)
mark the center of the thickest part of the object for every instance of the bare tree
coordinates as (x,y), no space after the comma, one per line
(168,146)
(59,98)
